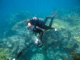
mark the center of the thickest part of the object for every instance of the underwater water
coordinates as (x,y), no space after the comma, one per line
(18,43)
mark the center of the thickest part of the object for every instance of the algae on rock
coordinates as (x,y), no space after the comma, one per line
(5,54)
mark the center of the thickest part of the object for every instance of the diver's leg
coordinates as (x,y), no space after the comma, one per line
(46,27)
(40,32)
(45,20)
(50,17)
(51,22)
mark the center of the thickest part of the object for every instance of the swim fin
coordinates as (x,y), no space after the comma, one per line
(52,15)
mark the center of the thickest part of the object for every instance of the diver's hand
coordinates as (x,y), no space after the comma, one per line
(55,29)
(13,59)
(38,42)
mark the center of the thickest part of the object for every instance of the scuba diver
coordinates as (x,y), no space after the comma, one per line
(37,25)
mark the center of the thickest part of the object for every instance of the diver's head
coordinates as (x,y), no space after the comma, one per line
(34,18)
(28,24)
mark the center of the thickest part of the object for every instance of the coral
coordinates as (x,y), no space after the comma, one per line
(57,54)
(19,16)
(76,32)
(77,38)
(37,56)
(5,54)
(73,19)
(59,44)
(16,20)
(17,25)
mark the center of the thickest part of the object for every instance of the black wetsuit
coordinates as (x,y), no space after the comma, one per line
(41,23)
